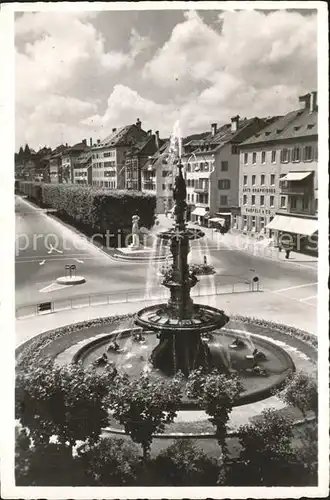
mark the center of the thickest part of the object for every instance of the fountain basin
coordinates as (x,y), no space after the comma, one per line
(133,359)
(191,233)
(202,319)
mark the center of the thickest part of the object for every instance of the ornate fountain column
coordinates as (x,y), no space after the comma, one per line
(180,322)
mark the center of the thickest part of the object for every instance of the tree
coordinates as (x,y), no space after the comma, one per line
(110,462)
(144,406)
(267,455)
(301,392)
(27,152)
(63,401)
(216,393)
(183,464)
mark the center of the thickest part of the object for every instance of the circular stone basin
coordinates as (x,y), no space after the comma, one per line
(133,359)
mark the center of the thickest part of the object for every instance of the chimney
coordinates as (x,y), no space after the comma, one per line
(149,133)
(157,138)
(84,141)
(90,142)
(98,141)
(114,130)
(234,123)
(138,123)
(214,128)
(306,100)
(313,102)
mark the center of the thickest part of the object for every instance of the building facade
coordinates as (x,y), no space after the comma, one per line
(82,168)
(157,177)
(136,158)
(212,171)
(278,174)
(109,155)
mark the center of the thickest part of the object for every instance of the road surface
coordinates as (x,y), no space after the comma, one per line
(44,246)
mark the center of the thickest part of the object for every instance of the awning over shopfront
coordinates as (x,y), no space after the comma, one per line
(295,176)
(217,220)
(295,225)
(199,211)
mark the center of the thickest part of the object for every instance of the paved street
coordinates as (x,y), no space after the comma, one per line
(44,246)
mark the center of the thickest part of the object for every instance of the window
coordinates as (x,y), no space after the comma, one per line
(285,155)
(283,202)
(188,183)
(224,184)
(224,166)
(188,197)
(164,173)
(188,167)
(164,187)
(245,221)
(192,198)
(272,201)
(253,202)
(316,205)
(254,158)
(253,180)
(316,152)
(254,222)
(296,154)
(273,157)
(305,203)
(223,200)
(234,149)
(307,153)
(263,157)
(193,182)
(262,200)
(262,224)
(246,158)
(272,179)
(262,180)
(245,180)
(244,199)
(293,202)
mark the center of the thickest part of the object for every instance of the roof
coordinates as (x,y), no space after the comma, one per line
(223,135)
(76,148)
(140,145)
(155,160)
(116,138)
(296,124)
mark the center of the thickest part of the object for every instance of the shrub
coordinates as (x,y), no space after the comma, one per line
(216,393)
(144,406)
(267,452)
(63,401)
(183,464)
(110,462)
(301,392)
(201,269)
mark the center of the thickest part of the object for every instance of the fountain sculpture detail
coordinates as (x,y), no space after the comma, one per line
(180,323)
(135,233)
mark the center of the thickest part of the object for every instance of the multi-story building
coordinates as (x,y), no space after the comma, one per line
(109,155)
(137,156)
(212,170)
(82,168)
(158,178)
(55,165)
(278,175)
(71,158)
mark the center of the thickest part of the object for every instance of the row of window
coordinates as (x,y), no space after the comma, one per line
(106,154)
(295,154)
(263,179)
(107,164)
(80,173)
(107,184)
(262,200)
(205,166)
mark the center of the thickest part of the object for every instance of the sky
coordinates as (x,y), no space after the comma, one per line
(80,74)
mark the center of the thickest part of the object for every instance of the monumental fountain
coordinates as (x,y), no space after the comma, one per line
(180,335)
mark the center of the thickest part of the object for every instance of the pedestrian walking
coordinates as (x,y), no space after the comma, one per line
(287,253)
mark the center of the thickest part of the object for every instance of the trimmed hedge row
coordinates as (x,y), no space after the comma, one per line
(100,209)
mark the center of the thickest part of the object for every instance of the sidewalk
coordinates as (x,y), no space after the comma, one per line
(265,305)
(243,242)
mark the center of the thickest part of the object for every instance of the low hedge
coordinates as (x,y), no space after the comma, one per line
(88,207)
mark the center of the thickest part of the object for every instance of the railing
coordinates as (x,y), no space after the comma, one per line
(302,190)
(120,297)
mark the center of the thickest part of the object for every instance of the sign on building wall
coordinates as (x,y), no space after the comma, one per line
(269,190)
